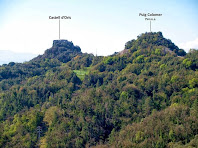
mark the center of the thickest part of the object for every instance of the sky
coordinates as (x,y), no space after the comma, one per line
(95,25)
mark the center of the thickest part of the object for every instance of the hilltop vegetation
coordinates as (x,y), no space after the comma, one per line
(146,96)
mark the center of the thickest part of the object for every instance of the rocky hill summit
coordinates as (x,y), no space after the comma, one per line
(63,50)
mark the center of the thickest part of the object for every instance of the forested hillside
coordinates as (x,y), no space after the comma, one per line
(144,96)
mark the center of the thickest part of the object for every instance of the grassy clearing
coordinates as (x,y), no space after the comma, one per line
(82,72)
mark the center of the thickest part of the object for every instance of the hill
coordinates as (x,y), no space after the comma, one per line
(153,40)
(146,96)
(61,50)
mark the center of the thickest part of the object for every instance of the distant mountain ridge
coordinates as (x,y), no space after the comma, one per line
(10,56)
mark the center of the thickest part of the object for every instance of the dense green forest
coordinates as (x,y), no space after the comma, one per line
(145,96)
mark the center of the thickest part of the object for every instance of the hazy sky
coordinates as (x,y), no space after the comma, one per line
(105,25)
